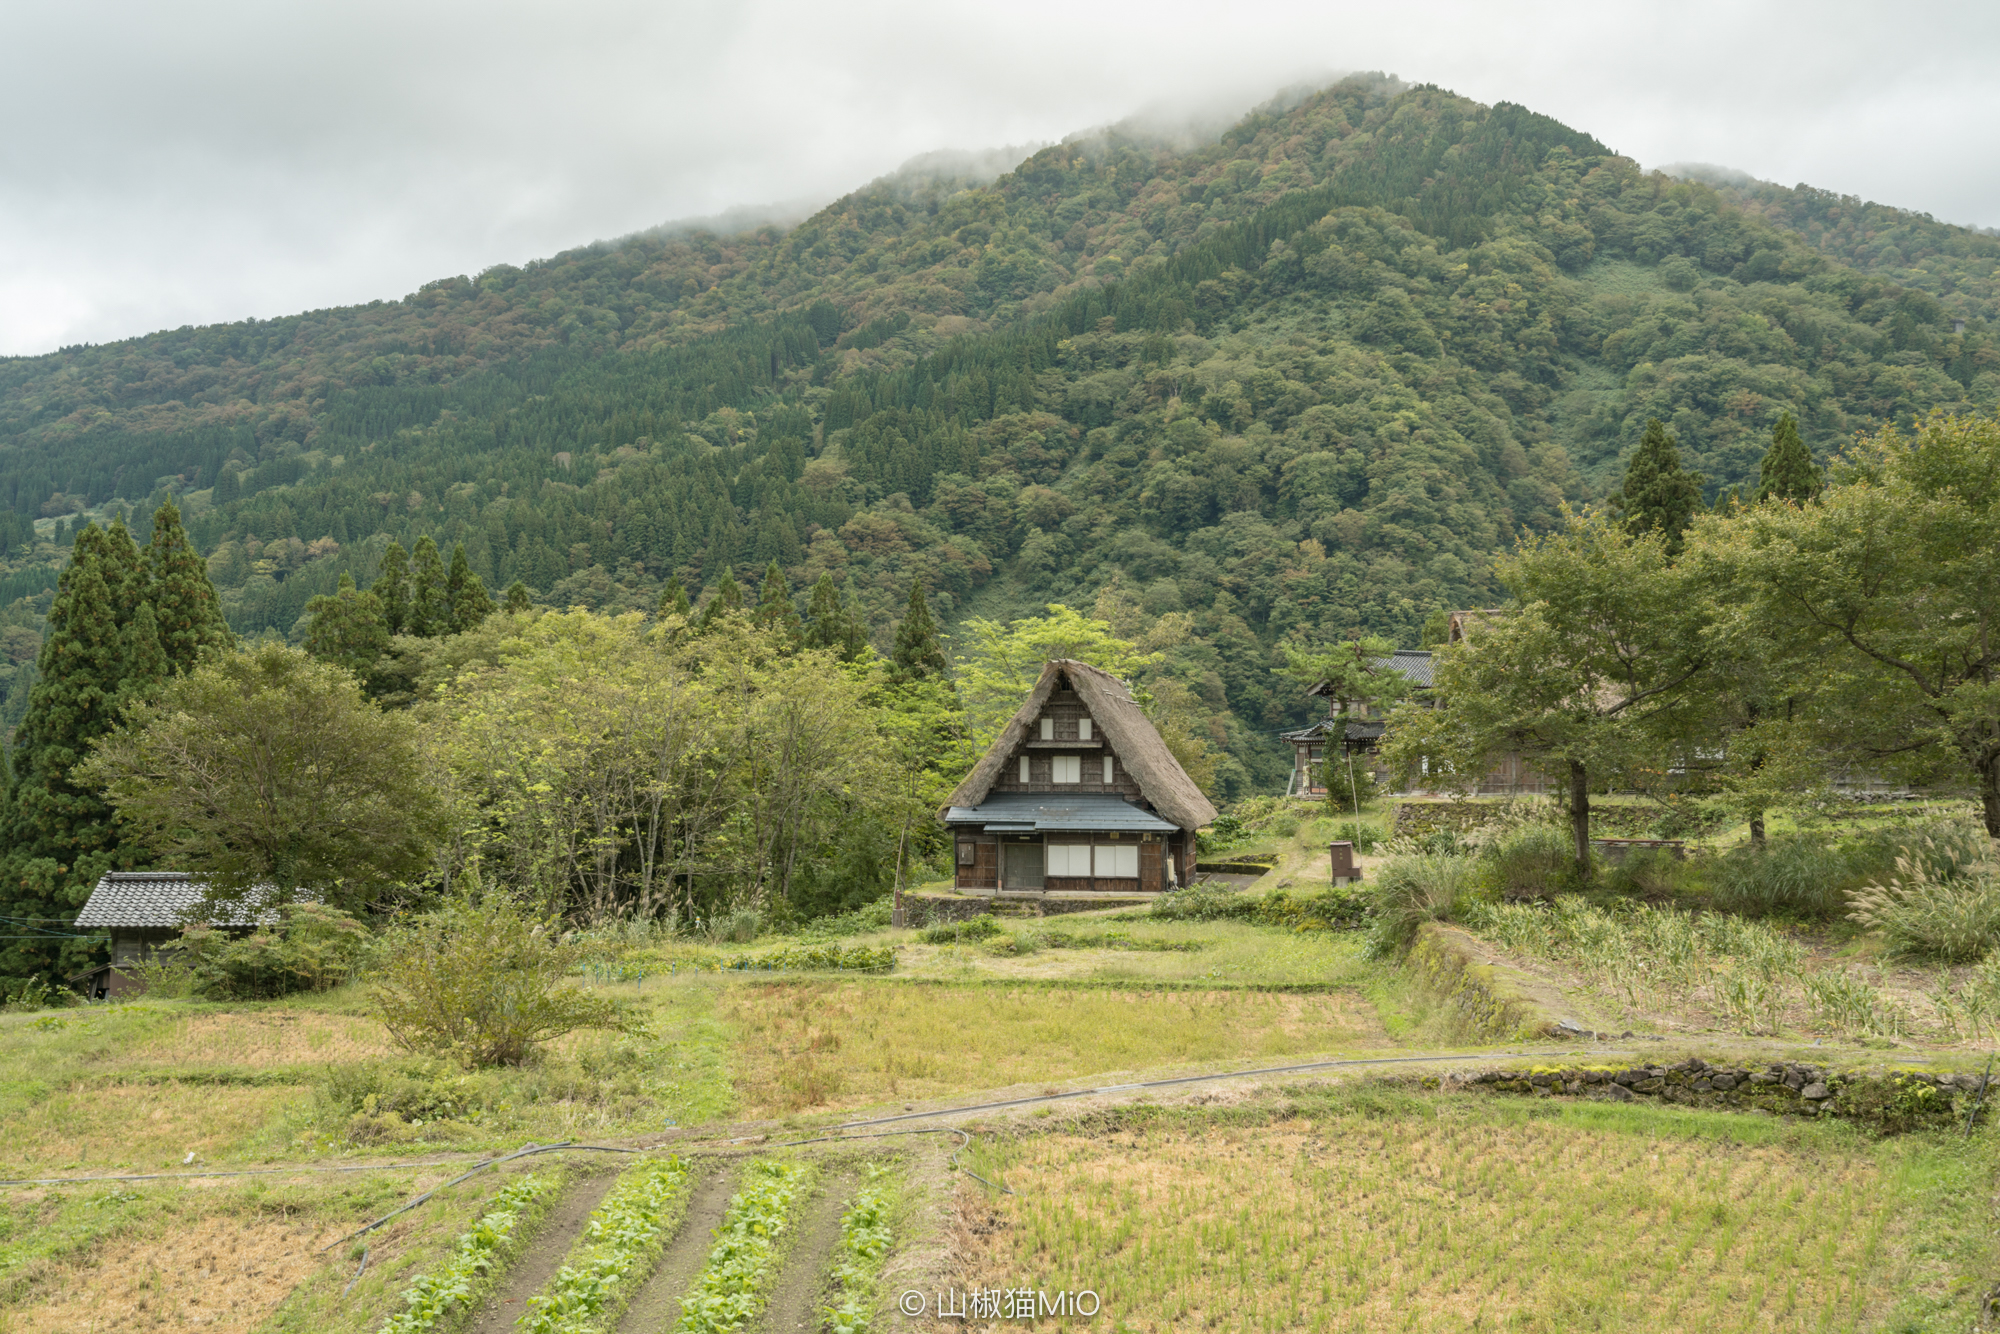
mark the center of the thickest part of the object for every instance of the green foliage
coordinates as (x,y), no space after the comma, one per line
(1415,888)
(1801,874)
(1530,861)
(730,1290)
(1877,596)
(268,768)
(1350,784)
(347,628)
(1658,495)
(620,1243)
(457,1281)
(829,957)
(866,1236)
(1364,836)
(465,594)
(314,948)
(1942,904)
(918,654)
(482,984)
(1331,909)
(953,933)
(1788,471)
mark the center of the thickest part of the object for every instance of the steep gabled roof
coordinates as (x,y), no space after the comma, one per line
(164,898)
(1132,735)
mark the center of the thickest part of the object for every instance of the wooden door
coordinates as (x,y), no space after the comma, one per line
(1023,865)
(1150,874)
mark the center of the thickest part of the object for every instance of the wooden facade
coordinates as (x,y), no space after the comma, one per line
(1078,796)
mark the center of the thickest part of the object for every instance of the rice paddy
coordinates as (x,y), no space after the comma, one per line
(1459,1218)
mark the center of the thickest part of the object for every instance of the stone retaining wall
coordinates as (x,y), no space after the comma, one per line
(1890,1101)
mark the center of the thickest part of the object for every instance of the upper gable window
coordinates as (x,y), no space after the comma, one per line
(1048,729)
(1083,729)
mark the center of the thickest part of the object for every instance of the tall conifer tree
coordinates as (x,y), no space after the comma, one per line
(430,604)
(918,654)
(59,838)
(466,592)
(392,588)
(1788,471)
(728,598)
(518,597)
(774,606)
(347,628)
(146,663)
(185,605)
(674,598)
(833,623)
(1658,492)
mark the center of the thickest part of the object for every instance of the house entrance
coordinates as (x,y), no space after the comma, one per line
(1023,865)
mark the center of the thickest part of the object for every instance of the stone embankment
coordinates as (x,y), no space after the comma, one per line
(1888,1100)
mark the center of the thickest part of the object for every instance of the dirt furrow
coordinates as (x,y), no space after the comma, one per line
(795,1301)
(543,1256)
(658,1304)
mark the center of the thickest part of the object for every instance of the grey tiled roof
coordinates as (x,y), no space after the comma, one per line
(1042,812)
(164,898)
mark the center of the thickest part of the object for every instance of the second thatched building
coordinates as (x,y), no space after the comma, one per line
(1078,795)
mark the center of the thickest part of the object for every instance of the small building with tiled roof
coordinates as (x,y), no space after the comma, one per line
(1079,794)
(1356,733)
(146,910)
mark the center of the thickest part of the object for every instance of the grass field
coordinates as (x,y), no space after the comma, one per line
(1389,1212)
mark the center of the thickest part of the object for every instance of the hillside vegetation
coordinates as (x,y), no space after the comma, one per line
(1297,381)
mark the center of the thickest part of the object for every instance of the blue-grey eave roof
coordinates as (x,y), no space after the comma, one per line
(1044,813)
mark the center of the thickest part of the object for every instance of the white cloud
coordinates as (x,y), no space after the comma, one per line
(186,161)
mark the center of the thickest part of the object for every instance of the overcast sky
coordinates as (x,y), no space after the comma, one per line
(191,161)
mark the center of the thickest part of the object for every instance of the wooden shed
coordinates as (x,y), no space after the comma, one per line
(144,911)
(1078,795)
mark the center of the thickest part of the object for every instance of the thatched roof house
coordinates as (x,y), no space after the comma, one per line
(1079,794)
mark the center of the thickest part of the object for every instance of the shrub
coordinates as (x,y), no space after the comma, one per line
(863,920)
(1941,904)
(822,957)
(1285,825)
(736,928)
(1413,889)
(1798,873)
(1365,837)
(1349,787)
(482,984)
(1530,861)
(1647,873)
(314,948)
(952,933)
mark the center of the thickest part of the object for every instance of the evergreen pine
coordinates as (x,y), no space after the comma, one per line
(466,592)
(518,597)
(188,612)
(774,606)
(347,628)
(918,654)
(728,598)
(146,662)
(834,624)
(392,588)
(430,606)
(59,837)
(1788,471)
(1658,492)
(124,570)
(674,598)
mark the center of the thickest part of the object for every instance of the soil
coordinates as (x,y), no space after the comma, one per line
(658,1303)
(796,1301)
(544,1255)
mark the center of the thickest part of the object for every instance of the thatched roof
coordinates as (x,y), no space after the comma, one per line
(1132,735)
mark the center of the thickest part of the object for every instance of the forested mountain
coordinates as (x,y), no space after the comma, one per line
(1298,381)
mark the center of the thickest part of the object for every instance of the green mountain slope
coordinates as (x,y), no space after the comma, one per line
(1295,382)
